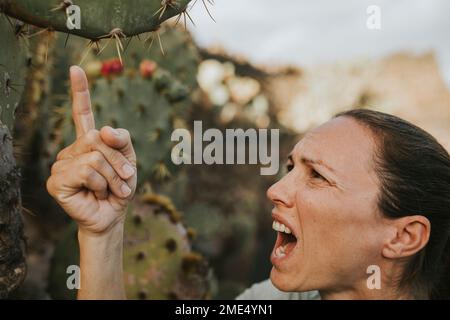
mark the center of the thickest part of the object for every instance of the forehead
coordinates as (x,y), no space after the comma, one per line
(341,143)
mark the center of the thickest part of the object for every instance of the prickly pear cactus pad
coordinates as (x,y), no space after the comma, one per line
(12,245)
(158,260)
(144,106)
(98,18)
(13,68)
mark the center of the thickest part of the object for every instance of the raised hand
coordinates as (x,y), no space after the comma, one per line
(95,177)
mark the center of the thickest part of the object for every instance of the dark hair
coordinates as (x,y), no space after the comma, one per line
(414,172)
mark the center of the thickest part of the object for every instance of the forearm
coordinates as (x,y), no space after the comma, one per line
(101,264)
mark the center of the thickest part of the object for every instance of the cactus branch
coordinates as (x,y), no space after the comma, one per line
(98,17)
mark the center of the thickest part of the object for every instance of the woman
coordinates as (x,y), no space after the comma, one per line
(365,191)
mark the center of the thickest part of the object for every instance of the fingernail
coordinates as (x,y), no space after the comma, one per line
(127,170)
(125,189)
(115,132)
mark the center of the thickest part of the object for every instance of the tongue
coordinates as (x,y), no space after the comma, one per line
(289,246)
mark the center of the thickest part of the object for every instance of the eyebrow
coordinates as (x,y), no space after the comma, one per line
(310,161)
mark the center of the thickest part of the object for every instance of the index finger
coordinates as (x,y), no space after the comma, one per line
(81,102)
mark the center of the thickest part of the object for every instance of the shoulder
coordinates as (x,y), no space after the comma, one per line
(265,290)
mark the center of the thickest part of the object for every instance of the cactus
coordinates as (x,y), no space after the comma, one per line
(13,68)
(163,96)
(181,57)
(98,18)
(212,228)
(158,260)
(32,114)
(34,140)
(143,97)
(144,106)
(12,245)
(150,102)
(147,108)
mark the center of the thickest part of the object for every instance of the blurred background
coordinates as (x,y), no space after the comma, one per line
(403,67)
(203,231)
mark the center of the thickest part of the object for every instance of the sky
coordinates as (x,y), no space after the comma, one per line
(308,33)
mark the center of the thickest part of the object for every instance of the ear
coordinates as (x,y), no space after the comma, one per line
(409,235)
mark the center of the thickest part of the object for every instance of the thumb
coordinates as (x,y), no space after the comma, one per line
(120,140)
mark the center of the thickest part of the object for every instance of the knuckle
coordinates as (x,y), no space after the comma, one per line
(101,184)
(97,159)
(61,154)
(54,168)
(87,173)
(50,185)
(59,198)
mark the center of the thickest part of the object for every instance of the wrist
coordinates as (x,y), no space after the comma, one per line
(102,243)
(113,230)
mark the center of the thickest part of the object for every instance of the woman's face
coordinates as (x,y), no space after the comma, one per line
(328,201)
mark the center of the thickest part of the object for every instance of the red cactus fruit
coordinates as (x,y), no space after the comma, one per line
(147,68)
(112,67)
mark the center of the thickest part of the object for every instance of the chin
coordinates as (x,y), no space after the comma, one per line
(283,282)
(290,282)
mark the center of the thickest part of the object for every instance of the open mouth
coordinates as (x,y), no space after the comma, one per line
(285,242)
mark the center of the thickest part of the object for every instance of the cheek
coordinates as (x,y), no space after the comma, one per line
(333,223)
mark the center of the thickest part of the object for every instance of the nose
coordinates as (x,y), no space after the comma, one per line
(281,193)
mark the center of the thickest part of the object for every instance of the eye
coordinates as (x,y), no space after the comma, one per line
(316,175)
(289,167)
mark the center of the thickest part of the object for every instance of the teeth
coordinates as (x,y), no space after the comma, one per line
(277,226)
(279,252)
